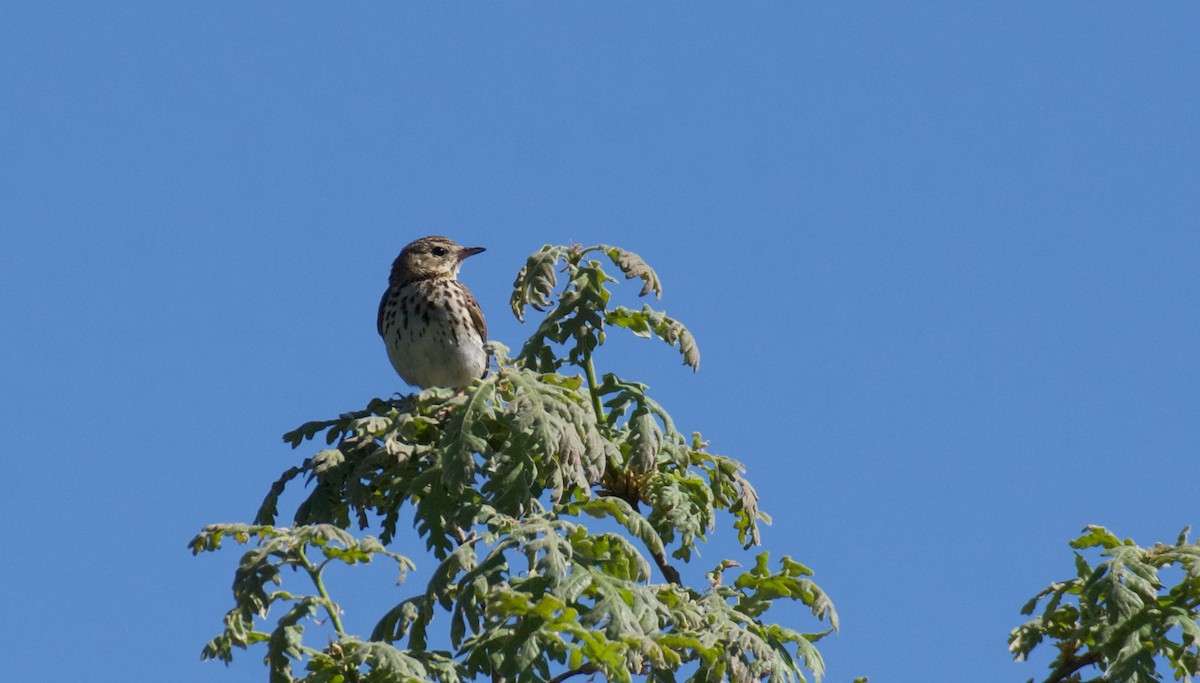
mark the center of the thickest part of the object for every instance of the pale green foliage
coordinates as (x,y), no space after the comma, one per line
(582,310)
(499,479)
(1118,619)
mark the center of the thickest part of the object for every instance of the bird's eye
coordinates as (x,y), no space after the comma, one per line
(438,251)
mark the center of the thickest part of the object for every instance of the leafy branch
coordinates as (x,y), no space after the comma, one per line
(1119,616)
(581,312)
(261,567)
(498,479)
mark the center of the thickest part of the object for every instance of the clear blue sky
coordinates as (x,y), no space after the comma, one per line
(940,258)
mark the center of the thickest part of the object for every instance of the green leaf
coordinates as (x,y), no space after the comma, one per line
(536,281)
(1096,536)
(625,515)
(634,267)
(648,321)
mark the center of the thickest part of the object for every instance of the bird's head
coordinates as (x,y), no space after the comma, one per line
(430,257)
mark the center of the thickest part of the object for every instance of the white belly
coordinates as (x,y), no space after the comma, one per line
(438,361)
(439,353)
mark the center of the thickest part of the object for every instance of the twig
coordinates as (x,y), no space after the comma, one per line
(1072,664)
(671,573)
(588,668)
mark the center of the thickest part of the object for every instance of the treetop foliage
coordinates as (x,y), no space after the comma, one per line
(1119,618)
(499,480)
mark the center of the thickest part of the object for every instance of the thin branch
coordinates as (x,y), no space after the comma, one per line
(1072,664)
(330,606)
(588,668)
(590,369)
(671,573)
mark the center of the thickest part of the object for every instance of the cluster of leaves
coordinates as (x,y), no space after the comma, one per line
(498,478)
(254,595)
(1118,619)
(582,311)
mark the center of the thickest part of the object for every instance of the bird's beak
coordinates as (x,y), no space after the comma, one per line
(469,251)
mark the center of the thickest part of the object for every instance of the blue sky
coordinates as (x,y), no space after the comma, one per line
(940,259)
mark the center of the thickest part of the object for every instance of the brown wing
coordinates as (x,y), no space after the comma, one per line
(475,311)
(382,305)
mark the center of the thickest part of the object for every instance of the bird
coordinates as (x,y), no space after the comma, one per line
(430,322)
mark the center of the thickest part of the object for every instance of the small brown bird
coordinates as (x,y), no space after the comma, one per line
(429,321)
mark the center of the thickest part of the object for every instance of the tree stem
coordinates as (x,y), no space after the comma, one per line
(1070,665)
(590,370)
(588,668)
(314,573)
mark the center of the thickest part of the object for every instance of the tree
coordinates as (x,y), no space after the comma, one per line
(499,478)
(1119,617)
